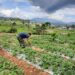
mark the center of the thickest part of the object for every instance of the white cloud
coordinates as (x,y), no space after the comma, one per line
(6,12)
(25,13)
(57,15)
(65,15)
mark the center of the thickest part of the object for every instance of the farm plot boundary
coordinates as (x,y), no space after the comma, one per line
(28,69)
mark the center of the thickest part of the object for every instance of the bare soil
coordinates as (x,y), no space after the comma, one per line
(28,69)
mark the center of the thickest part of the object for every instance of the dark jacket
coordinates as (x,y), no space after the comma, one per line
(23,35)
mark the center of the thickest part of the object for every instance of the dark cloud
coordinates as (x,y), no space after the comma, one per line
(53,5)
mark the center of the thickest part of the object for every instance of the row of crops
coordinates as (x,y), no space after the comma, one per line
(63,44)
(49,59)
(8,68)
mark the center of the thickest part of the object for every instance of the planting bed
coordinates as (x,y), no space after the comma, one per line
(27,68)
(61,45)
(7,68)
(49,59)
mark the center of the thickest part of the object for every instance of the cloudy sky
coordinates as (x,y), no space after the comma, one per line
(62,10)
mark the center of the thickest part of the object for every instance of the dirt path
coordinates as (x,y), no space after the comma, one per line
(45,51)
(37,49)
(1,34)
(28,69)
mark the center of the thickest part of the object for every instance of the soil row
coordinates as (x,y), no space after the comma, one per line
(28,68)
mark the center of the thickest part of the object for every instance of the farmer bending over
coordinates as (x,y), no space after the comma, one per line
(22,38)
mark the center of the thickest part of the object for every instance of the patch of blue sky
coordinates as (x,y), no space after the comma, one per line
(23,4)
(13,4)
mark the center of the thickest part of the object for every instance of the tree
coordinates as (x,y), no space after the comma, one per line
(48,24)
(13,29)
(43,28)
(72,26)
(67,27)
(14,24)
(38,29)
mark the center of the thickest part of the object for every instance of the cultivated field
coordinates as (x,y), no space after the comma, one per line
(8,68)
(54,53)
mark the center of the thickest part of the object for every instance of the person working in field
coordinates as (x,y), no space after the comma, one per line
(23,39)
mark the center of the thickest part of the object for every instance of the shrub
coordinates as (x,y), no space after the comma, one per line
(68,34)
(12,30)
(53,35)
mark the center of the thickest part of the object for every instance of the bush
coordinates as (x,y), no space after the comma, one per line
(68,34)
(4,31)
(53,35)
(12,30)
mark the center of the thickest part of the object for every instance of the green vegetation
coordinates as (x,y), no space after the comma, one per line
(49,60)
(14,25)
(54,42)
(8,68)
